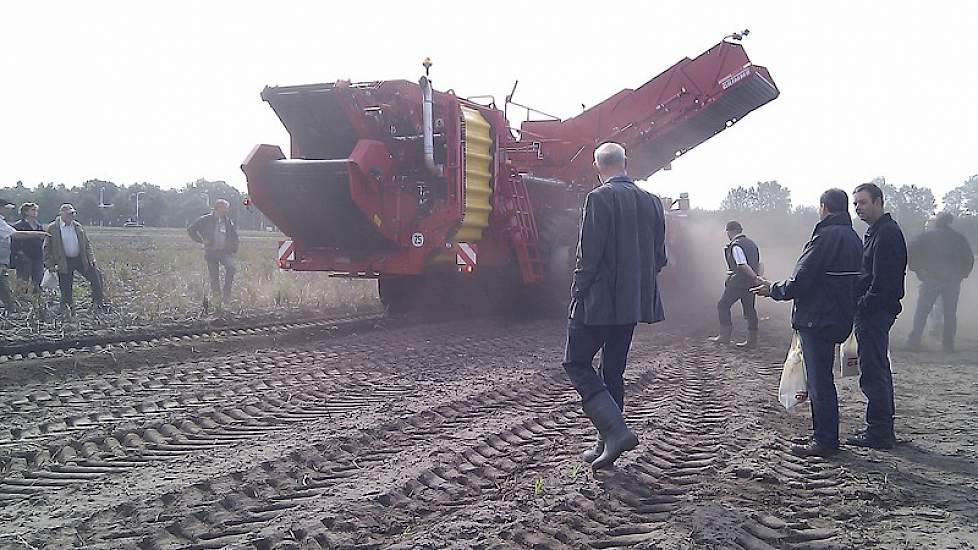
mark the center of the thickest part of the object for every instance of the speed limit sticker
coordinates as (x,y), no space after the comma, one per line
(417,240)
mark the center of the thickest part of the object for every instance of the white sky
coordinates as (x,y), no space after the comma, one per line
(167,94)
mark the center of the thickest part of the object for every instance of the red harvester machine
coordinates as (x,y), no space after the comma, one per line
(440,200)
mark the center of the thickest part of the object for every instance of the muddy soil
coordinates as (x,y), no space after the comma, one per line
(465,434)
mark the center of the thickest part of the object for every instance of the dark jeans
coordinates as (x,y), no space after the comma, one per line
(5,296)
(583,343)
(819,354)
(731,294)
(929,293)
(215,259)
(875,378)
(66,281)
(30,269)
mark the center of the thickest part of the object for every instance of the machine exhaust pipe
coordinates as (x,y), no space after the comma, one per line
(428,127)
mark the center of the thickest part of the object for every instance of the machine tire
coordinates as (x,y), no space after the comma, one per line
(397,293)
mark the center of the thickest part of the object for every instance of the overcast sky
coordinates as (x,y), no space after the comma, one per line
(125,92)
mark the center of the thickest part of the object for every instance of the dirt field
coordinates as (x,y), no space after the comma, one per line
(465,435)
(156,279)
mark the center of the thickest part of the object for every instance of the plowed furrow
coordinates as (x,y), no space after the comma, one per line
(253,497)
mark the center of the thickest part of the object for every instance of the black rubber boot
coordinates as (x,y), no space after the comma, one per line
(750,342)
(724,336)
(593,454)
(606,417)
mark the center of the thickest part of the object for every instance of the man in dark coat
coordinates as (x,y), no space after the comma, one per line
(619,255)
(219,235)
(941,257)
(823,288)
(880,289)
(29,255)
(743,271)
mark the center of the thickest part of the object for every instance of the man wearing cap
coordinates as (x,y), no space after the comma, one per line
(68,250)
(7,234)
(743,271)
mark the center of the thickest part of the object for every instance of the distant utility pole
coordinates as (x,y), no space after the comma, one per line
(102,206)
(137,193)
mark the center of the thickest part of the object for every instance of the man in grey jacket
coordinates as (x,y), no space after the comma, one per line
(619,255)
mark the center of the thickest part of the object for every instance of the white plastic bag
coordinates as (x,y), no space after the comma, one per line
(793,390)
(849,357)
(50,280)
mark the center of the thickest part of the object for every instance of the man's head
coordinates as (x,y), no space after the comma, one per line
(609,160)
(733,229)
(944,219)
(868,200)
(6,207)
(67,213)
(28,211)
(833,201)
(222,207)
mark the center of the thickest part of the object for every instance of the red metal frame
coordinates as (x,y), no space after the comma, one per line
(374,128)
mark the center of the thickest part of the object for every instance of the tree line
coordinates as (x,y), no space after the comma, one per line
(104,203)
(769,202)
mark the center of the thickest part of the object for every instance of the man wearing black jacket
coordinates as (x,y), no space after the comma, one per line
(29,255)
(619,255)
(823,288)
(219,235)
(880,289)
(941,257)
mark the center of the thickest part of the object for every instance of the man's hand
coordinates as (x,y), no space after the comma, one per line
(763,288)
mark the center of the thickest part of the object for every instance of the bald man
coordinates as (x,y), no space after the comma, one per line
(619,255)
(217,232)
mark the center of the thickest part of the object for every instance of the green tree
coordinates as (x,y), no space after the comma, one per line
(740,199)
(773,197)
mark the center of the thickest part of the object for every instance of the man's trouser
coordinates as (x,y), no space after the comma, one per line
(215,259)
(731,294)
(5,296)
(583,343)
(875,378)
(819,354)
(30,269)
(929,293)
(66,281)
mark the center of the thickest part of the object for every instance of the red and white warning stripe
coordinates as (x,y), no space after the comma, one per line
(286,253)
(465,254)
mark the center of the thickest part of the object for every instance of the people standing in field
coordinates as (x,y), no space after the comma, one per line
(219,235)
(67,251)
(823,289)
(880,289)
(9,234)
(743,259)
(29,254)
(620,252)
(942,258)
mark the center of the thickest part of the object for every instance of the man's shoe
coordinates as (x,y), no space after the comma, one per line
(948,348)
(913,344)
(864,439)
(606,417)
(750,342)
(814,448)
(723,337)
(593,454)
